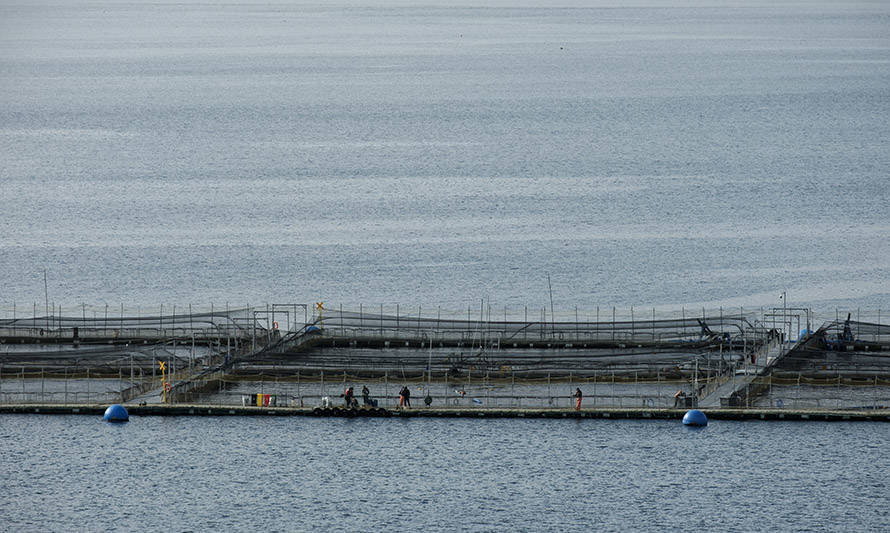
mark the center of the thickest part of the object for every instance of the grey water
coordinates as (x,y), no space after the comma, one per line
(657,154)
(664,154)
(303,474)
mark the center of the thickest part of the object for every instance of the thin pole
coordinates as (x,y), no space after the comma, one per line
(552,317)
(549,394)
(594,387)
(46,298)
(481,318)
(632,333)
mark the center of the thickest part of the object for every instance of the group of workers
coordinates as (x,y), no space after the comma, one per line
(405,397)
(351,402)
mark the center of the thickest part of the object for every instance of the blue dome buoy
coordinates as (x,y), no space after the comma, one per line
(116,413)
(694,417)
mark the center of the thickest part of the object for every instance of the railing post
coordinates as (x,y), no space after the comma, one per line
(549,394)
(636,385)
(594,387)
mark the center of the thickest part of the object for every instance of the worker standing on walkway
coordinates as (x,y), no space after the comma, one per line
(578,400)
(366,395)
(679,397)
(348,395)
(405,397)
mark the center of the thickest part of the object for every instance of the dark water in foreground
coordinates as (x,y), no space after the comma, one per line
(295,474)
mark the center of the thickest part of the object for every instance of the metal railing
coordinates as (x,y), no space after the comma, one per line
(603,391)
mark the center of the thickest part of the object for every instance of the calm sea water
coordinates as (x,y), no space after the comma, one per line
(659,154)
(382,152)
(296,474)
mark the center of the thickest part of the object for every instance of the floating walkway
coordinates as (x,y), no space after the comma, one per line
(875,415)
(736,389)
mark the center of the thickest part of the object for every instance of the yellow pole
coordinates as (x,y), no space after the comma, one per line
(163,380)
(320,307)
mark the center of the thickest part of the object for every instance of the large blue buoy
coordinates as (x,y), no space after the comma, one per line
(694,417)
(116,413)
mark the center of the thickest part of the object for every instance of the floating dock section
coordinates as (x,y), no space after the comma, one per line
(880,415)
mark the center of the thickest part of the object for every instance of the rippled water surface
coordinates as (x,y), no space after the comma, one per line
(374,152)
(298,474)
(381,152)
